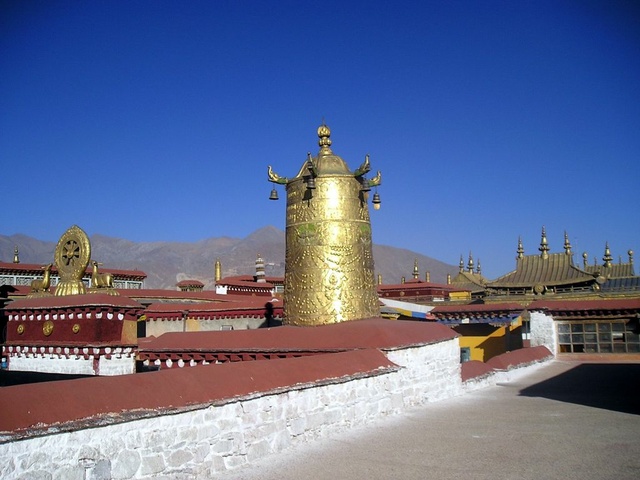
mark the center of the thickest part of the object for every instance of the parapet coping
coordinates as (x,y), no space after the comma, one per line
(45,408)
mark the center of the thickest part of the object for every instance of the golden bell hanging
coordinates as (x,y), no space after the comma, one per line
(376,201)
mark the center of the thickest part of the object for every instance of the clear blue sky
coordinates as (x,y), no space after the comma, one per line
(156,120)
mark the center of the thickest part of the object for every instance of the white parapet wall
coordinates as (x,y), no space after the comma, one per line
(72,361)
(543,331)
(217,437)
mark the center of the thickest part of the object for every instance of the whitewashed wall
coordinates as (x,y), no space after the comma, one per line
(62,360)
(543,331)
(212,439)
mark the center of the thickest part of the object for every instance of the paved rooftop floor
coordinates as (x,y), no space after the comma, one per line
(563,420)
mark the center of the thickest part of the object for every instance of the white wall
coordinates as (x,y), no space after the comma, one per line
(543,331)
(212,439)
(61,360)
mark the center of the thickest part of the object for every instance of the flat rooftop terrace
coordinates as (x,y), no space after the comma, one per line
(565,419)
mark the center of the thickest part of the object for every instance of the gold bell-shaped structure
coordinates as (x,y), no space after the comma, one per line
(329,273)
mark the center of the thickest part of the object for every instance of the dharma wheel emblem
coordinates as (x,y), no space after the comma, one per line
(20,329)
(47,328)
(71,252)
(75,328)
(72,257)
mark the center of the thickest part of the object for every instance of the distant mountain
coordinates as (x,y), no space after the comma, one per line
(167,263)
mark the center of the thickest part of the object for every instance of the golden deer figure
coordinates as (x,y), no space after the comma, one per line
(41,285)
(100,280)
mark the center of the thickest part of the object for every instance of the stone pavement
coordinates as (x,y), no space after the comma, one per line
(564,420)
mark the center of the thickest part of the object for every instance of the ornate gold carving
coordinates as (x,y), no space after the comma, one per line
(47,328)
(20,329)
(329,275)
(75,328)
(101,282)
(72,257)
(40,286)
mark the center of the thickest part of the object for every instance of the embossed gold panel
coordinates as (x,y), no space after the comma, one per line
(329,271)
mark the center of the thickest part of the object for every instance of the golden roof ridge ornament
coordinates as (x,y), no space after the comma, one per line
(544,246)
(520,250)
(607,259)
(567,244)
(329,272)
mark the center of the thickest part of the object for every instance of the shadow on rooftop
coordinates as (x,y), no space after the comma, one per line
(609,386)
(9,378)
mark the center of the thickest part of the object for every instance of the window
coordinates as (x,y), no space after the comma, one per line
(465,354)
(597,337)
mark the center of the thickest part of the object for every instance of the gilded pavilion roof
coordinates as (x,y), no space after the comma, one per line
(469,279)
(608,269)
(555,269)
(546,269)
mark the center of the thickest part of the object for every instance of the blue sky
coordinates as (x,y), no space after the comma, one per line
(156,120)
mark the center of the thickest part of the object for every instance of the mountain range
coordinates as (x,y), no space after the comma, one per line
(167,263)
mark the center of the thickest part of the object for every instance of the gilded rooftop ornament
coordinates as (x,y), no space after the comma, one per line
(329,272)
(544,246)
(72,256)
(40,286)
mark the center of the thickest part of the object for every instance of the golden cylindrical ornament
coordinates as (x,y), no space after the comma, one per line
(329,269)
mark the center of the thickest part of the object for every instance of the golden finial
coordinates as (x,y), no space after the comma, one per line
(544,246)
(324,133)
(448,279)
(218,270)
(585,259)
(520,250)
(470,264)
(379,279)
(427,276)
(567,244)
(416,274)
(16,255)
(630,253)
(478,269)
(402,280)
(607,256)
(461,265)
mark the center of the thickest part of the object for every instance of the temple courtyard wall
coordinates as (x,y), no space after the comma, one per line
(195,422)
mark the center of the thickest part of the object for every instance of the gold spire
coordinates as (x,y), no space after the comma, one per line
(607,256)
(448,279)
(16,255)
(325,142)
(218,270)
(416,273)
(630,253)
(478,269)
(470,263)
(379,279)
(544,246)
(567,244)
(520,250)
(427,276)
(585,259)
(461,264)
